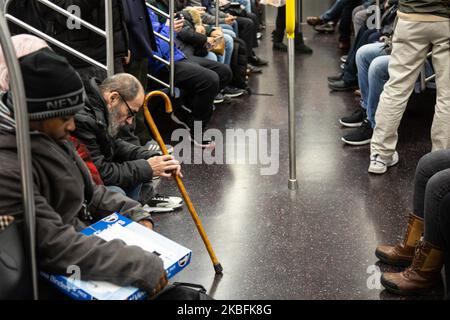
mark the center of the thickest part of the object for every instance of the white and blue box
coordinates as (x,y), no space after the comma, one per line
(116,226)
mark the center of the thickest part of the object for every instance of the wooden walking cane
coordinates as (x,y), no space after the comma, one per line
(155,132)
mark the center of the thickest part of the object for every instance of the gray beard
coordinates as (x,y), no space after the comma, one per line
(114,125)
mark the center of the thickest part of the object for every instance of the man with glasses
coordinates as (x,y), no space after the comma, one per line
(123,167)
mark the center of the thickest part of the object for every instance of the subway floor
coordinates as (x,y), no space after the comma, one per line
(317,242)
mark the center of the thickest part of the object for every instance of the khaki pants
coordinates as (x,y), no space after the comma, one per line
(411,43)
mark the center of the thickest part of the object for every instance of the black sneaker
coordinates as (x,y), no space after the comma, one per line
(355,120)
(279,46)
(359,136)
(232,92)
(257,61)
(341,85)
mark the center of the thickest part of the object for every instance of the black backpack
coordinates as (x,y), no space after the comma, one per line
(239,63)
(183,291)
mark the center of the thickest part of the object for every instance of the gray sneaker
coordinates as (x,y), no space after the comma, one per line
(379,166)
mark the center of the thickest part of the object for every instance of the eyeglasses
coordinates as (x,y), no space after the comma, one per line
(131,113)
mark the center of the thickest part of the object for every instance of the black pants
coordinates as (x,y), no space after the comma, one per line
(280,27)
(346,22)
(247,32)
(200,80)
(431,195)
(350,74)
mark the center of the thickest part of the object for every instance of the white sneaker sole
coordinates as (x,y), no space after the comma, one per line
(356,143)
(383,169)
(350,125)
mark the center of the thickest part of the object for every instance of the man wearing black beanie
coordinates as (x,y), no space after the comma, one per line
(66,200)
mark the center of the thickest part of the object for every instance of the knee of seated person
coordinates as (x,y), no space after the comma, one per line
(439,183)
(429,161)
(116,189)
(380,68)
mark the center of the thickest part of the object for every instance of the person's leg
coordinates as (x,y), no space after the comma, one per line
(280,25)
(378,76)
(223,71)
(359,18)
(440,131)
(229,31)
(424,274)
(364,57)
(211,56)
(116,189)
(247,32)
(410,47)
(428,166)
(345,24)
(334,13)
(229,47)
(199,86)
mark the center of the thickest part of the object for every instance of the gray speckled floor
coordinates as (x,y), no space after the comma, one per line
(318,242)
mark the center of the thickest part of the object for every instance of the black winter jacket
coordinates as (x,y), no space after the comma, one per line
(82,39)
(119,163)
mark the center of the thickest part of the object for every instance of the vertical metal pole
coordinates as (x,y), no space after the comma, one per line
(290,30)
(109,27)
(299,14)
(378,15)
(172,47)
(23,146)
(217,13)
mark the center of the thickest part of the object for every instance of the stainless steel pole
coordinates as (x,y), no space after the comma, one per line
(378,15)
(290,30)
(109,28)
(293,184)
(172,47)
(23,147)
(217,13)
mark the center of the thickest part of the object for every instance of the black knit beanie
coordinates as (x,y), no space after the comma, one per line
(53,88)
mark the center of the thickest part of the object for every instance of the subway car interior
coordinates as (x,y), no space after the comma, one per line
(232,149)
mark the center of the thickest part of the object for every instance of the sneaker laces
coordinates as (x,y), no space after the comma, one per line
(375,159)
(160,197)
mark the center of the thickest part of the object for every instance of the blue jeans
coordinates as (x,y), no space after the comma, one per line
(247,4)
(228,54)
(211,56)
(372,63)
(233,27)
(334,13)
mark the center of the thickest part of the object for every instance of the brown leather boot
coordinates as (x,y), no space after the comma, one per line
(403,253)
(422,277)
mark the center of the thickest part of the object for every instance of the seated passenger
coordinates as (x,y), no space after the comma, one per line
(430,217)
(200,80)
(124,167)
(66,200)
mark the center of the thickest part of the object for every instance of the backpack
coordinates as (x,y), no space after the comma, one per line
(183,291)
(239,61)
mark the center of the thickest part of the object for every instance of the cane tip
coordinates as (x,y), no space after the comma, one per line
(218,268)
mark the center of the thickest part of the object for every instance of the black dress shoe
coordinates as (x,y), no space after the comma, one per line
(335,78)
(279,46)
(257,61)
(341,85)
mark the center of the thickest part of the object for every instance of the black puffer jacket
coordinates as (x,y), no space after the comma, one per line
(82,39)
(119,163)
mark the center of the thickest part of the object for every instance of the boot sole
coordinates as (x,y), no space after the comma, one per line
(433,291)
(395,263)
